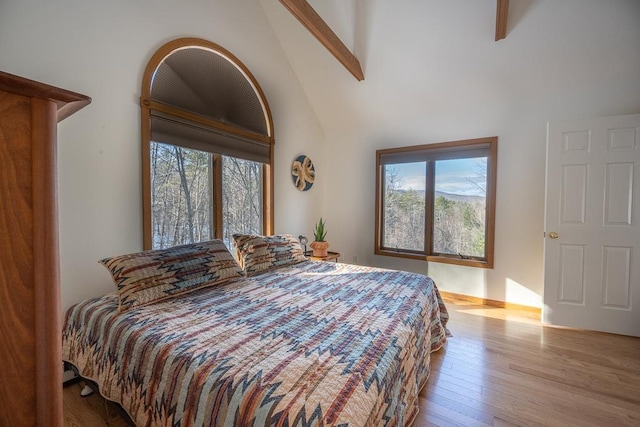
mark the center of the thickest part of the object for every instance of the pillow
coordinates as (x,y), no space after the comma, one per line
(261,253)
(151,276)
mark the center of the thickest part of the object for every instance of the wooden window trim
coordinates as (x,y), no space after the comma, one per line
(450,146)
(147,106)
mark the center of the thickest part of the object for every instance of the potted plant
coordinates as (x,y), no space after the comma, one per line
(319,245)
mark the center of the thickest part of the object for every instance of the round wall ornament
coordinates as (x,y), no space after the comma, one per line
(303,173)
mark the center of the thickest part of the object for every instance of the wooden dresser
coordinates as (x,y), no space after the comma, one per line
(30,312)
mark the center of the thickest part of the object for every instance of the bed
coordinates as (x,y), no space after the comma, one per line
(274,343)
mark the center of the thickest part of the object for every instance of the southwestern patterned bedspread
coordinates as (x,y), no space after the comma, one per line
(316,343)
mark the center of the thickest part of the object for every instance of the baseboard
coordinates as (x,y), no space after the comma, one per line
(491,302)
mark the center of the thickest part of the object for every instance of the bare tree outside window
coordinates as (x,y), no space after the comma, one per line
(181,196)
(241,197)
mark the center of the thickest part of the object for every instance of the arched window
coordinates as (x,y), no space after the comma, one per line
(207,147)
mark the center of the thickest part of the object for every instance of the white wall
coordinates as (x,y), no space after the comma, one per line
(100,48)
(434,73)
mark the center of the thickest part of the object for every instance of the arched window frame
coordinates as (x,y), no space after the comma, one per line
(148,106)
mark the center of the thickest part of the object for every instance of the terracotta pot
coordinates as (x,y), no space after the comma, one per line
(320,248)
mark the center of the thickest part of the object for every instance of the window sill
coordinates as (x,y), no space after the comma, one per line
(460,261)
(443,259)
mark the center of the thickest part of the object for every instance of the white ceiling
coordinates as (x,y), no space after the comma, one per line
(424,59)
(418,57)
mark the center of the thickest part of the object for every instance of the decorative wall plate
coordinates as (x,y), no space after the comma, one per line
(303,173)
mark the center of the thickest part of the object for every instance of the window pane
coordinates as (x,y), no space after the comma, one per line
(404,206)
(460,207)
(180,195)
(241,197)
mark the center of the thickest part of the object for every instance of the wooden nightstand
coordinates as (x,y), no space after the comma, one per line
(333,256)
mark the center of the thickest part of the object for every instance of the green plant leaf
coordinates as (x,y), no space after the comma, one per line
(320,233)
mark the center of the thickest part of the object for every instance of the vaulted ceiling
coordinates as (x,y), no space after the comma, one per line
(417,57)
(312,21)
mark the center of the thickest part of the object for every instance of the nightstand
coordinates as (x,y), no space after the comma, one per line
(333,256)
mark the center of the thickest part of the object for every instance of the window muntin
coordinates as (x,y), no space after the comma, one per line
(437,201)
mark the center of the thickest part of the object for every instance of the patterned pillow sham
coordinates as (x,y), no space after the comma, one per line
(261,253)
(150,276)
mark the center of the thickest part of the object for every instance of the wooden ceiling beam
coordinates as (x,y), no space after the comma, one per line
(310,19)
(502,11)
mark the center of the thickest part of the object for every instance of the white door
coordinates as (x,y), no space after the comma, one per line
(592,225)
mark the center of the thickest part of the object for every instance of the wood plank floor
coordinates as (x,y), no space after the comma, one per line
(500,368)
(503,368)
(90,411)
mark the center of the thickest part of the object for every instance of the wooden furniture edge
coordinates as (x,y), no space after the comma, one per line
(491,302)
(47,105)
(330,257)
(67,102)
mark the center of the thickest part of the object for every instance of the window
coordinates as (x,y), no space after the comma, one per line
(207,147)
(183,190)
(437,201)
(242,210)
(181,195)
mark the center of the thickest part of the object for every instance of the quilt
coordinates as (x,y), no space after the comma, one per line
(312,344)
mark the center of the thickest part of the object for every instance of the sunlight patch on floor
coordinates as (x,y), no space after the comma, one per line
(511,314)
(504,314)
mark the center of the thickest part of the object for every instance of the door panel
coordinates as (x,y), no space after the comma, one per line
(571,264)
(592,258)
(618,197)
(617,283)
(574,194)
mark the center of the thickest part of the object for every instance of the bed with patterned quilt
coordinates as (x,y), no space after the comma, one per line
(194,336)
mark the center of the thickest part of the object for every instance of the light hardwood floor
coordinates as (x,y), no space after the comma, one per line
(500,368)
(90,411)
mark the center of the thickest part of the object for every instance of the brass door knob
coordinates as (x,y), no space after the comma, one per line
(553,235)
